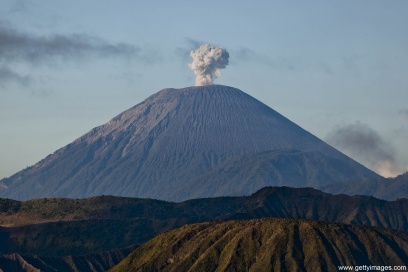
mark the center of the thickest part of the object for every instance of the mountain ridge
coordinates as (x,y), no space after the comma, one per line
(59,227)
(87,232)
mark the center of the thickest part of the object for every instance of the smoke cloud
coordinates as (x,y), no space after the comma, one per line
(365,145)
(207,62)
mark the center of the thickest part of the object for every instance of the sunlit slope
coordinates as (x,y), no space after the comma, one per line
(268,245)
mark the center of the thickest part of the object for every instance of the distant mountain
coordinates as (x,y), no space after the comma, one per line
(60,227)
(268,245)
(180,144)
(390,188)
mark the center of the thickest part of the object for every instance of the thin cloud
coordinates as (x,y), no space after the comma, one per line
(20,48)
(245,54)
(9,76)
(404,114)
(16,46)
(184,52)
(19,6)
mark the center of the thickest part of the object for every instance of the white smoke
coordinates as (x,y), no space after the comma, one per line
(207,62)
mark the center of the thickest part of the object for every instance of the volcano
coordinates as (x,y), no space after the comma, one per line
(186,143)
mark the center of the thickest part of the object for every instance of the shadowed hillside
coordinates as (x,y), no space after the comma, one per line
(268,245)
(93,263)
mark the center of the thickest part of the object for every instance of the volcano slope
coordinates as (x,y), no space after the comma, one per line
(187,143)
(268,245)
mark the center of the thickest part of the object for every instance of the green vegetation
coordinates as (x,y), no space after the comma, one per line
(9,206)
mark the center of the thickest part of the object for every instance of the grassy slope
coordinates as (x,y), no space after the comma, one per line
(268,245)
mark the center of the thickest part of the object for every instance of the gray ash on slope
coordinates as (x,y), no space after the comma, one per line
(185,143)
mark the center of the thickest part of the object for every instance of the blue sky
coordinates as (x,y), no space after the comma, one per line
(336,68)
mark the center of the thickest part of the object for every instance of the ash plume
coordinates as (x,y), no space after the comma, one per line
(207,62)
(365,145)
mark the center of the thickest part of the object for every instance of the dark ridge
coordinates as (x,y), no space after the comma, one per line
(58,227)
(94,263)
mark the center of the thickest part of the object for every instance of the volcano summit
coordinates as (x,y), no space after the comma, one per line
(186,143)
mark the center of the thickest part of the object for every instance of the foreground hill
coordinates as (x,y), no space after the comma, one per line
(181,144)
(268,245)
(60,227)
